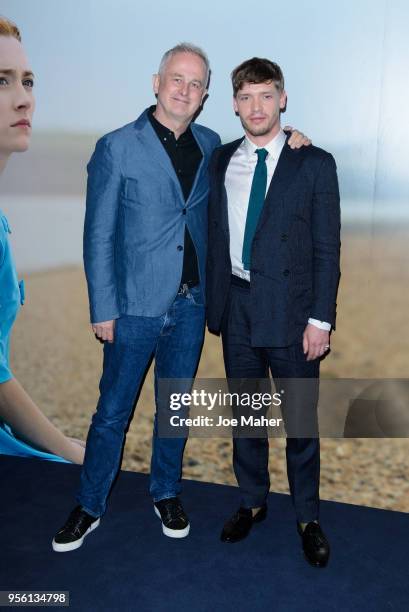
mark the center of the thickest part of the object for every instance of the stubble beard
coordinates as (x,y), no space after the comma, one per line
(257,131)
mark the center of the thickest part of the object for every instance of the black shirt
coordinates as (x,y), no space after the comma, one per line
(185,155)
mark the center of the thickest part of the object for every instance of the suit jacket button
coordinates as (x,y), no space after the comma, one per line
(180,248)
(284,237)
(286,272)
(184,211)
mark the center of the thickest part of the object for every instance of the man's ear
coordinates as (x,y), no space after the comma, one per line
(235,107)
(283,99)
(155,83)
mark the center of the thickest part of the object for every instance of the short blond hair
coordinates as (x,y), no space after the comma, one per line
(8,28)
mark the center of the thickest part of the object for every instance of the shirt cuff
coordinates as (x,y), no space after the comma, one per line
(320,324)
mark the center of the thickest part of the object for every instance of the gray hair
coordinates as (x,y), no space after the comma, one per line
(186,47)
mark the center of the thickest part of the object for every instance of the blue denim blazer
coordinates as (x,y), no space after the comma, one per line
(135,224)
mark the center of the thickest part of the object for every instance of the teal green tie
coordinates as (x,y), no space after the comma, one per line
(256,201)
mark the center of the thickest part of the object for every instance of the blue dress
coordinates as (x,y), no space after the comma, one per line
(11,297)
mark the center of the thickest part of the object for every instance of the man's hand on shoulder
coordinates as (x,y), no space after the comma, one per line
(104,330)
(315,342)
(297,139)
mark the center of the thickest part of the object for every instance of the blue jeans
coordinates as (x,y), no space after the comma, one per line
(175,339)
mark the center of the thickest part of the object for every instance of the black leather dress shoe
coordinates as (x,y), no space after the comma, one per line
(238,527)
(315,545)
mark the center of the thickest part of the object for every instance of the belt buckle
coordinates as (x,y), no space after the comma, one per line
(183,289)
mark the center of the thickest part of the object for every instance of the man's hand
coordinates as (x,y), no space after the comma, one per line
(104,330)
(297,139)
(315,342)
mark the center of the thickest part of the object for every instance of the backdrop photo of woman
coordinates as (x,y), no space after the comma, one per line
(24,429)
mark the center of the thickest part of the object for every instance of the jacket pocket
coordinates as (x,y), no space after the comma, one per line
(130,189)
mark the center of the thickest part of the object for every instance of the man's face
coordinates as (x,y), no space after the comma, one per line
(16,97)
(181,87)
(258,106)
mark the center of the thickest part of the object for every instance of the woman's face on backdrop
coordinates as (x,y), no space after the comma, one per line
(16,97)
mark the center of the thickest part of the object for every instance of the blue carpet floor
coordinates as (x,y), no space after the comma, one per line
(127,564)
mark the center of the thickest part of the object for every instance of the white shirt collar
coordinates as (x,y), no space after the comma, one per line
(273,147)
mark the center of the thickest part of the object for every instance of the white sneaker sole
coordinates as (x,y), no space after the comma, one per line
(57,547)
(172,533)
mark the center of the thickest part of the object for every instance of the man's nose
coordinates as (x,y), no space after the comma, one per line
(255,104)
(184,89)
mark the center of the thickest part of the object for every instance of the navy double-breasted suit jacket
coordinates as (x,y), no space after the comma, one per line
(296,248)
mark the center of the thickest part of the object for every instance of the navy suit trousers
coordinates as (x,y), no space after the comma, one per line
(290,372)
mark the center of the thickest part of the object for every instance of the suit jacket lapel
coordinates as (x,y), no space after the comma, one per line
(205,158)
(155,150)
(283,177)
(223,163)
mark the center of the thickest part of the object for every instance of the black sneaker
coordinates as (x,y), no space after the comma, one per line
(78,525)
(175,523)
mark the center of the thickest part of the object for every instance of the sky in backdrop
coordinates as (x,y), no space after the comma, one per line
(346,65)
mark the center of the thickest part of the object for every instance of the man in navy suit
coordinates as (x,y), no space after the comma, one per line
(145,241)
(272,279)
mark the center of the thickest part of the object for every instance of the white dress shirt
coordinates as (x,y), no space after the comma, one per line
(239,176)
